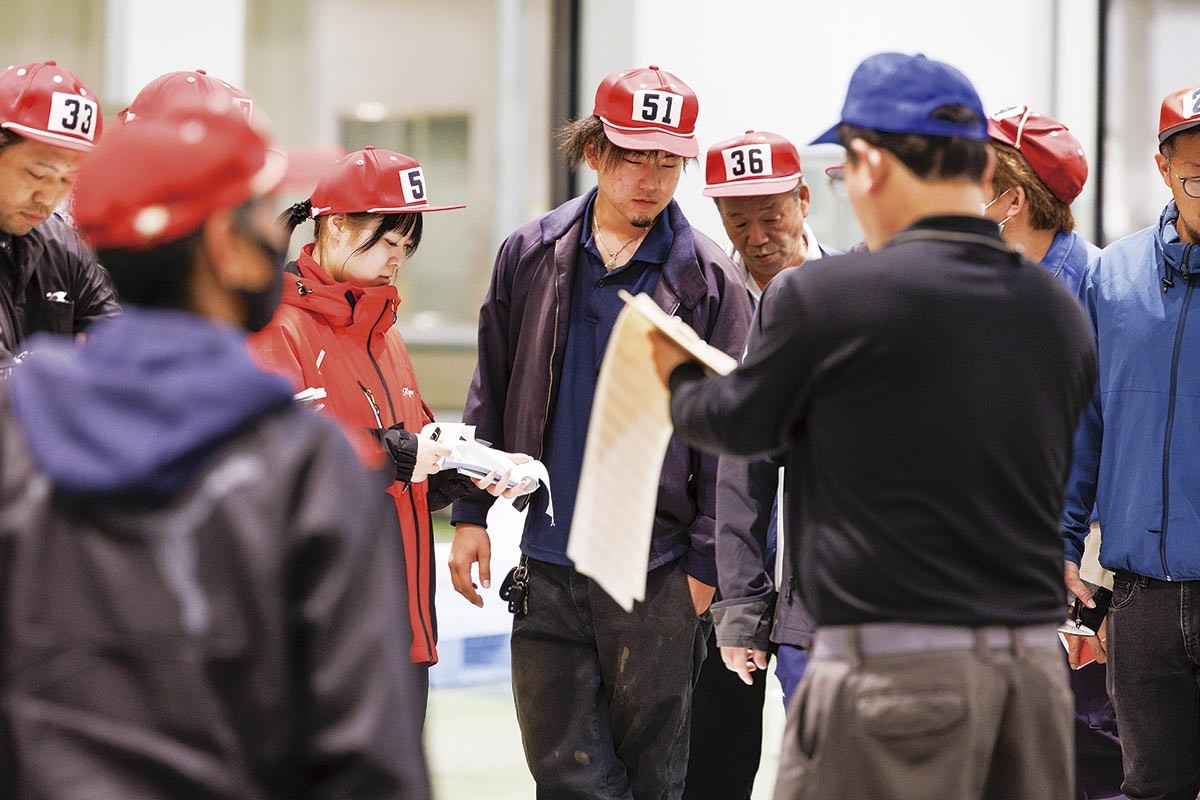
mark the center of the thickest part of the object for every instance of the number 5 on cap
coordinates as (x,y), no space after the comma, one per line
(412,183)
(749,160)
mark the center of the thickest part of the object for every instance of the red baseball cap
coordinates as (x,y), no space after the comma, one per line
(171,85)
(1180,111)
(648,109)
(174,169)
(372,181)
(1052,151)
(49,104)
(756,163)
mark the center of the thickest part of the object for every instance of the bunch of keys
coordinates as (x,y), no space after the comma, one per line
(515,589)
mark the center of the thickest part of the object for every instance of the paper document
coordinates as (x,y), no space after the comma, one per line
(627,439)
(475,458)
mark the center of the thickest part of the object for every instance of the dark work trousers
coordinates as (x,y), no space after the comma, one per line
(1154,680)
(727,721)
(1098,771)
(603,696)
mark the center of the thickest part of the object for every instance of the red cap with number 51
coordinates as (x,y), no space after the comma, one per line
(49,104)
(648,109)
(756,163)
(372,181)
(1180,111)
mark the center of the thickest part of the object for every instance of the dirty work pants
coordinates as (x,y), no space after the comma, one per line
(918,711)
(603,696)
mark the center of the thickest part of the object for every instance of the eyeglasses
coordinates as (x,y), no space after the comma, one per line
(837,182)
(1191,186)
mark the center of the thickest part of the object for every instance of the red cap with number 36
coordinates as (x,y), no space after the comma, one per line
(374,181)
(756,163)
(49,104)
(648,109)
(1180,111)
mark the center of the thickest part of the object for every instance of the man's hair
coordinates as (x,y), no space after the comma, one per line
(576,137)
(160,277)
(794,194)
(930,158)
(7,138)
(1046,212)
(1167,148)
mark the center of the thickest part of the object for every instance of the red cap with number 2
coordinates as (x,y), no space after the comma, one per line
(49,104)
(1180,111)
(372,181)
(755,163)
(648,109)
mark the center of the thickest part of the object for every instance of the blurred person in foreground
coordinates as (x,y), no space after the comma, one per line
(201,594)
(924,396)
(49,122)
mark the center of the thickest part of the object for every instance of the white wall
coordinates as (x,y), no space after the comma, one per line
(784,65)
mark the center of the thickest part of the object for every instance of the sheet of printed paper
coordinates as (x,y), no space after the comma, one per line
(627,440)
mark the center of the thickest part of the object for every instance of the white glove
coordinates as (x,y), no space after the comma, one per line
(430,454)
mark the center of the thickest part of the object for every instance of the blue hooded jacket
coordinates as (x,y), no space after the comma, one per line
(1137,451)
(135,411)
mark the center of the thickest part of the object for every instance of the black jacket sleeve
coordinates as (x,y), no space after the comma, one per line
(363,698)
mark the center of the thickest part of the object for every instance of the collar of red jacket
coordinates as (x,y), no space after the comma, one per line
(353,309)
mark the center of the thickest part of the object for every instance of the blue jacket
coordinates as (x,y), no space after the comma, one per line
(1137,451)
(1068,257)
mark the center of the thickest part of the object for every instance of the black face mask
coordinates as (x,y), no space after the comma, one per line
(259,306)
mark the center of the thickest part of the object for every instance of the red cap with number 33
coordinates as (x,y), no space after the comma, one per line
(49,104)
(756,163)
(648,109)
(372,181)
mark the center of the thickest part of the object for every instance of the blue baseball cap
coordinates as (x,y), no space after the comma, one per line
(897,93)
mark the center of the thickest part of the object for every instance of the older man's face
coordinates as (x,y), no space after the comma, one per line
(767,230)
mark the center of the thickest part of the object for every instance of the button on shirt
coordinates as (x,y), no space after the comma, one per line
(593,312)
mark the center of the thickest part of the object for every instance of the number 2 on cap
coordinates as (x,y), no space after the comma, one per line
(748,160)
(657,106)
(70,113)
(412,183)
(1195,100)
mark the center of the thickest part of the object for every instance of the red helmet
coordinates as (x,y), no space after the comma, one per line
(170,86)
(648,109)
(1053,153)
(49,104)
(755,163)
(374,181)
(1180,111)
(175,169)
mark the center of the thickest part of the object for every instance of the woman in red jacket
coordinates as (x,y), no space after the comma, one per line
(335,330)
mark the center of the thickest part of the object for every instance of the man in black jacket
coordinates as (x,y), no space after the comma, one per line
(201,590)
(924,396)
(49,280)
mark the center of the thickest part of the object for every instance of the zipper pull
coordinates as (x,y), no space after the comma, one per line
(374,405)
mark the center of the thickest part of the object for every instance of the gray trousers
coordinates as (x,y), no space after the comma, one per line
(987,720)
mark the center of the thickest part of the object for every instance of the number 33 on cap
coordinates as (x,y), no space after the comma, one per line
(49,104)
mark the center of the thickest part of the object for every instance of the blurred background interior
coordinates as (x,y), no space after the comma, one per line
(474,89)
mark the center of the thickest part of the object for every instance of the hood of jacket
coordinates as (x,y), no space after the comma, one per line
(355,310)
(1178,257)
(136,410)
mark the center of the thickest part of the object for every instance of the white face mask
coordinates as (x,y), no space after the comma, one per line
(986,206)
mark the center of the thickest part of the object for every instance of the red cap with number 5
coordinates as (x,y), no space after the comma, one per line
(755,163)
(49,104)
(648,109)
(1180,111)
(374,181)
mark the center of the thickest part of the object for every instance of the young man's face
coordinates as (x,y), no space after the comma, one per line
(1183,163)
(639,185)
(34,179)
(767,230)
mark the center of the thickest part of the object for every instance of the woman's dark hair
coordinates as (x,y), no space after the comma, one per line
(157,278)
(929,157)
(404,224)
